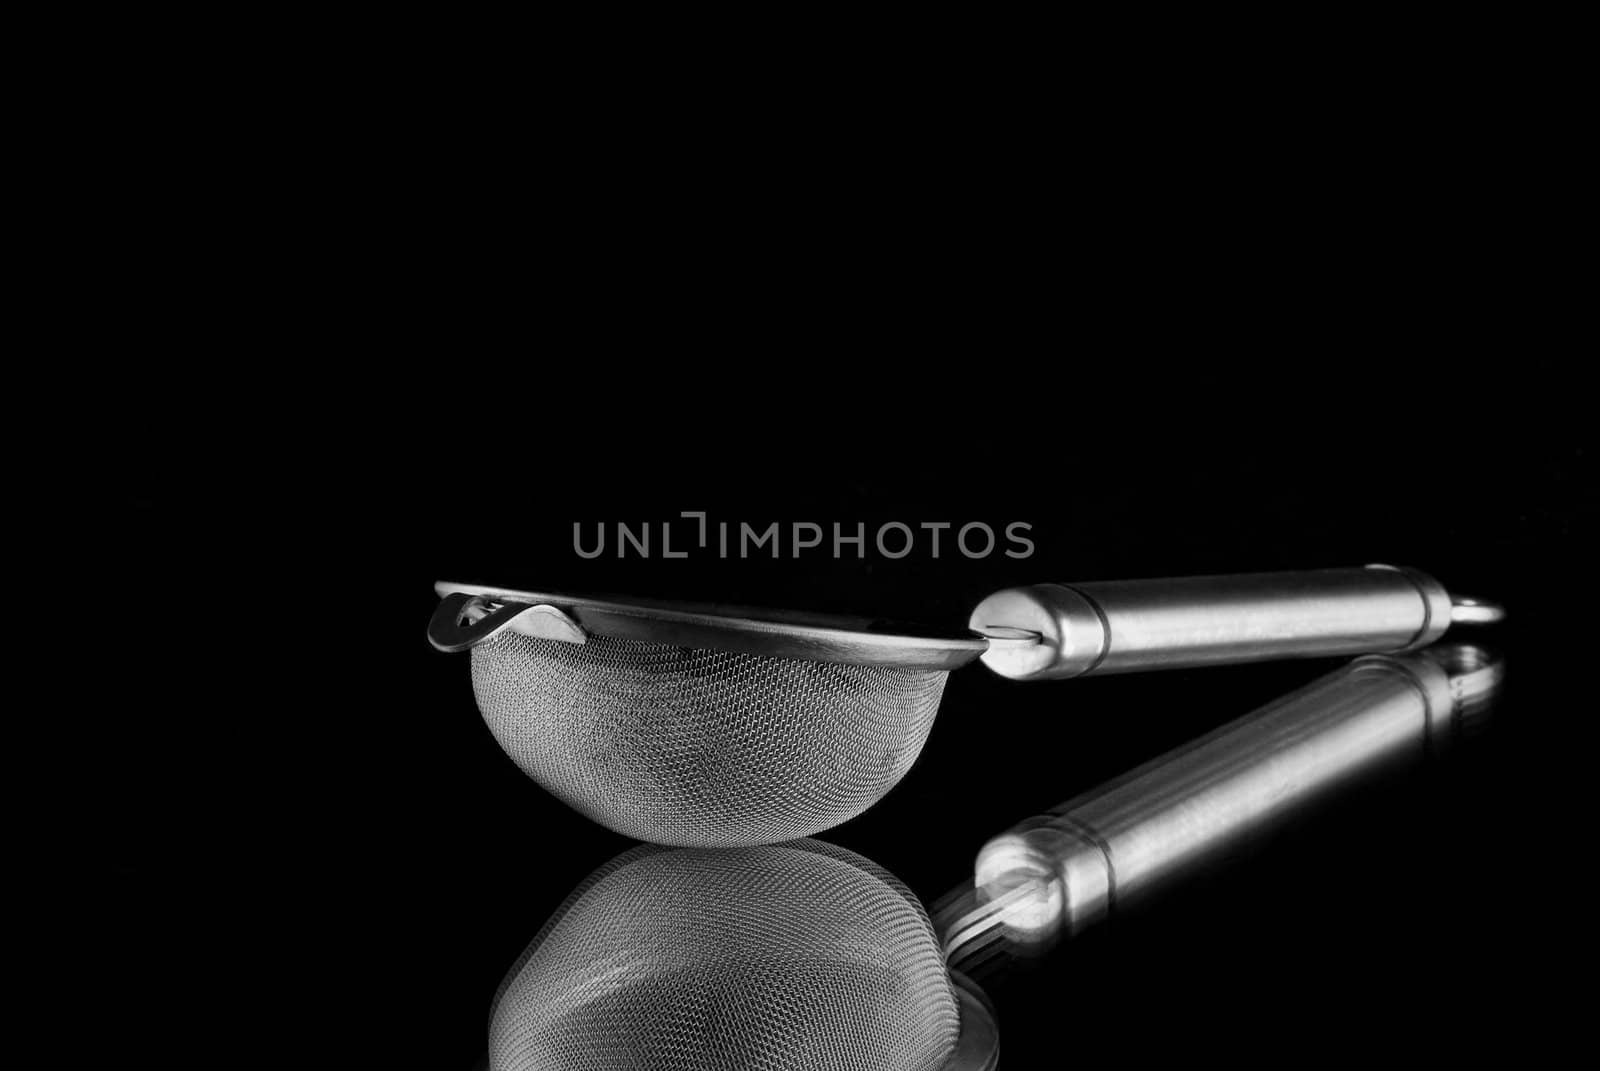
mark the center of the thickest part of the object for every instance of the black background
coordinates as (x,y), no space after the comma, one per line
(334,835)
(301,837)
(1190,309)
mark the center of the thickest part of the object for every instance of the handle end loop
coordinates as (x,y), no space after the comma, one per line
(1465,611)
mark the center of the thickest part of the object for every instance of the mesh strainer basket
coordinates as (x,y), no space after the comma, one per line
(799,956)
(701,728)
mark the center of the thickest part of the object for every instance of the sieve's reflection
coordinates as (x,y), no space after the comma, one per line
(805,955)
(800,955)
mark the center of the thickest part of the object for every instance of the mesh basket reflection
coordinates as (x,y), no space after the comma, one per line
(795,957)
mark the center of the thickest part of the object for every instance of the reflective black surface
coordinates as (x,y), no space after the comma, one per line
(319,820)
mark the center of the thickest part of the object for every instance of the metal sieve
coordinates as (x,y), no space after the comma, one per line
(794,956)
(726,727)
(807,956)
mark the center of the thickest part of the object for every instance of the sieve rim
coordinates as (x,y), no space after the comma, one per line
(749,630)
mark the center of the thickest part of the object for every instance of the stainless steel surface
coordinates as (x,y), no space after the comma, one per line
(1134,625)
(1065,870)
(747,630)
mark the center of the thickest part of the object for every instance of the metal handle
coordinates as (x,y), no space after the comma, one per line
(1066,869)
(1132,625)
